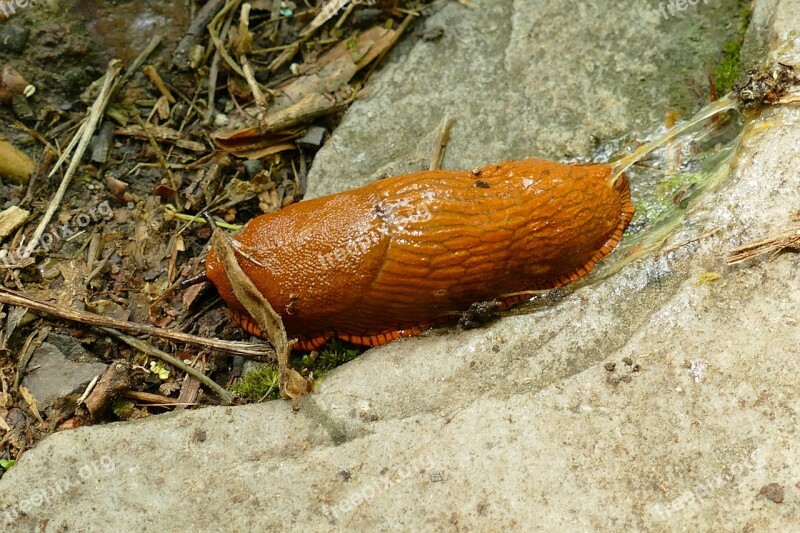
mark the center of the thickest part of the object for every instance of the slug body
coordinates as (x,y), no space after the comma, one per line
(396,256)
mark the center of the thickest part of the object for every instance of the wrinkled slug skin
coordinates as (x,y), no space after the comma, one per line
(407,251)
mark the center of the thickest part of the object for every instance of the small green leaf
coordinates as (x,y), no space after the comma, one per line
(159,369)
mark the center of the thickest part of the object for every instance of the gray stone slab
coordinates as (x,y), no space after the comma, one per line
(58,369)
(545,79)
(518,425)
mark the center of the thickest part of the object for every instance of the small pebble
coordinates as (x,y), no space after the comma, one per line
(14,38)
(610,366)
(220,120)
(313,137)
(253,167)
(773,492)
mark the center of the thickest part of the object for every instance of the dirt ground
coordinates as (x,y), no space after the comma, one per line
(126,230)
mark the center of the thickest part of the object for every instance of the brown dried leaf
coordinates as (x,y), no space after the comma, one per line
(292,384)
(31,401)
(336,68)
(253,139)
(266,151)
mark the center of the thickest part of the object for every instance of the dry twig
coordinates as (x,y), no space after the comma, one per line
(224,395)
(769,245)
(440,143)
(87,131)
(261,352)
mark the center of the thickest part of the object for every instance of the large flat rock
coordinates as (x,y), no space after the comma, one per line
(546,79)
(519,425)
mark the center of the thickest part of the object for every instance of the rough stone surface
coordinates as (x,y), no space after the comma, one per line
(523,424)
(60,367)
(546,79)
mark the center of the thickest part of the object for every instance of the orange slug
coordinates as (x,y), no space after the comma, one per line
(399,255)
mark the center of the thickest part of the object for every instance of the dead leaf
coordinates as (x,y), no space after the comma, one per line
(244,142)
(292,384)
(31,401)
(336,68)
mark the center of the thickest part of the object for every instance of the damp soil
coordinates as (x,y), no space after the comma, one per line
(121,237)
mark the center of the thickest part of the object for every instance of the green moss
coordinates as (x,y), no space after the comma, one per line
(333,354)
(261,384)
(123,408)
(258,385)
(673,193)
(730,67)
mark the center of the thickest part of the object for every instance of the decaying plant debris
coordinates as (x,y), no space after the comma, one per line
(766,86)
(220,114)
(788,240)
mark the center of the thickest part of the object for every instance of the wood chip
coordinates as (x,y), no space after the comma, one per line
(115,379)
(11,219)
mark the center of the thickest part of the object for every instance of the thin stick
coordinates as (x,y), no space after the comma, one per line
(68,150)
(94,118)
(88,390)
(215,38)
(224,395)
(213,73)
(154,400)
(259,352)
(247,70)
(195,31)
(155,77)
(790,99)
(157,150)
(772,244)
(439,145)
(221,20)
(398,33)
(689,241)
(141,58)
